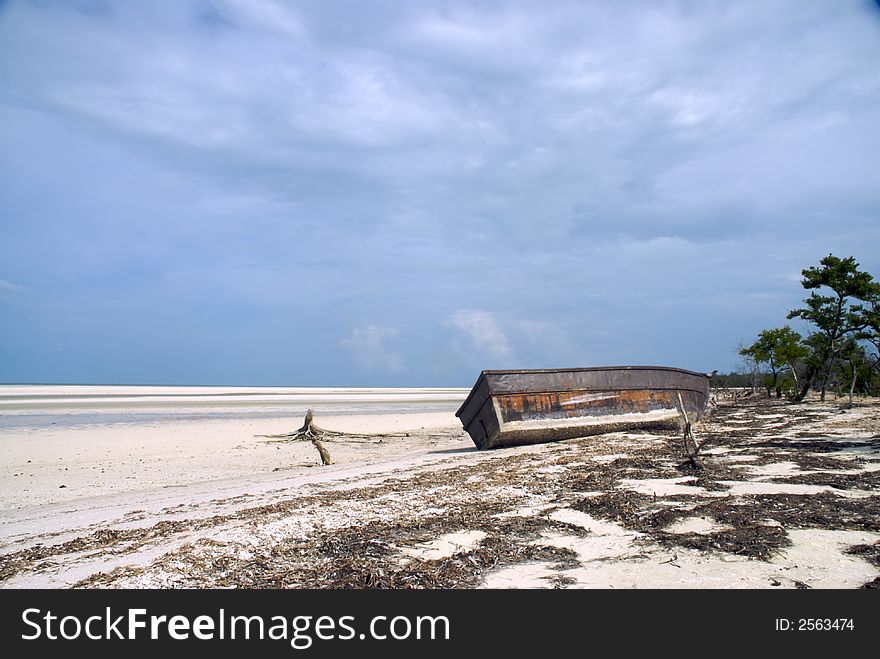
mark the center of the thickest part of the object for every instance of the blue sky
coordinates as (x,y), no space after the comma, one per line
(405,193)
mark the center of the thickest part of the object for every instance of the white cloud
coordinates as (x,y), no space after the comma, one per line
(688,107)
(9,287)
(367,346)
(8,290)
(263,15)
(481,329)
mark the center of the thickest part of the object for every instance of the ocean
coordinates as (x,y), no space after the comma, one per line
(37,407)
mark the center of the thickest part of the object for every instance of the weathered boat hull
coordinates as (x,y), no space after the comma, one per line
(509,408)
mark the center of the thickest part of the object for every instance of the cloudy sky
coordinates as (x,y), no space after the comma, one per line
(405,193)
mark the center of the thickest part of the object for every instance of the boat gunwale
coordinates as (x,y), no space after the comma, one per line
(484,373)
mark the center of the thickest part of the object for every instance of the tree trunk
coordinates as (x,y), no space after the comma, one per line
(852,385)
(805,387)
(794,375)
(828,372)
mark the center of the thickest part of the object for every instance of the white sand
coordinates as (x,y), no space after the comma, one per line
(775,470)
(612,562)
(699,525)
(662,486)
(56,462)
(445,546)
(739,488)
(95,461)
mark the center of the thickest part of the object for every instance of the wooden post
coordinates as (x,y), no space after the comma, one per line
(325,454)
(690,444)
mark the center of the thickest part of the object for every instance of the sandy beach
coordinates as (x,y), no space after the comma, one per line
(60,444)
(171,487)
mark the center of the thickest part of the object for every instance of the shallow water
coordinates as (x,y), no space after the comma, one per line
(39,407)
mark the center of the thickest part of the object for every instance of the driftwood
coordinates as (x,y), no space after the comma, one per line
(690,442)
(323,452)
(309,432)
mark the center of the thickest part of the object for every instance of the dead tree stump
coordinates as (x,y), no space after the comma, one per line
(309,432)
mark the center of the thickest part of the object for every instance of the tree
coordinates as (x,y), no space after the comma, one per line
(871,330)
(781,349)
(855,366)
(748,370)
(835,316)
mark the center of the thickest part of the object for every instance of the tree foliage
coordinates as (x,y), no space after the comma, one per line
(842,351)
(870,332)
(836,315)
(781,350)
(855,368)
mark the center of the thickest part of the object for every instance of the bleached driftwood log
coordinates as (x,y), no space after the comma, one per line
(690,443)
(309,432)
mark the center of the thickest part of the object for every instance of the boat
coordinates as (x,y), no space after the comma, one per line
(531,406)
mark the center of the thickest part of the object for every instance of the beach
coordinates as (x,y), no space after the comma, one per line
(175,487)
(61,444)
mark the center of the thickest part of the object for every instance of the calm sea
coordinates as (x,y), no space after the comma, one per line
(46,406)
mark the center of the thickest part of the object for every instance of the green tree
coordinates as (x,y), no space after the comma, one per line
(871,330)
(835,315)
(855,366)
(781,349)
(816,356)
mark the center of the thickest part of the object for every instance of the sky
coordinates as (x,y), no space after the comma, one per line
(396,193)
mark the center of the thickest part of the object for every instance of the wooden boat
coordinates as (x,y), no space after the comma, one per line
(509,408)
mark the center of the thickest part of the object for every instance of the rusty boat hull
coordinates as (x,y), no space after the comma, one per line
(517,407)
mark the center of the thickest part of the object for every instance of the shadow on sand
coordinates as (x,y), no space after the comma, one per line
(453,451)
